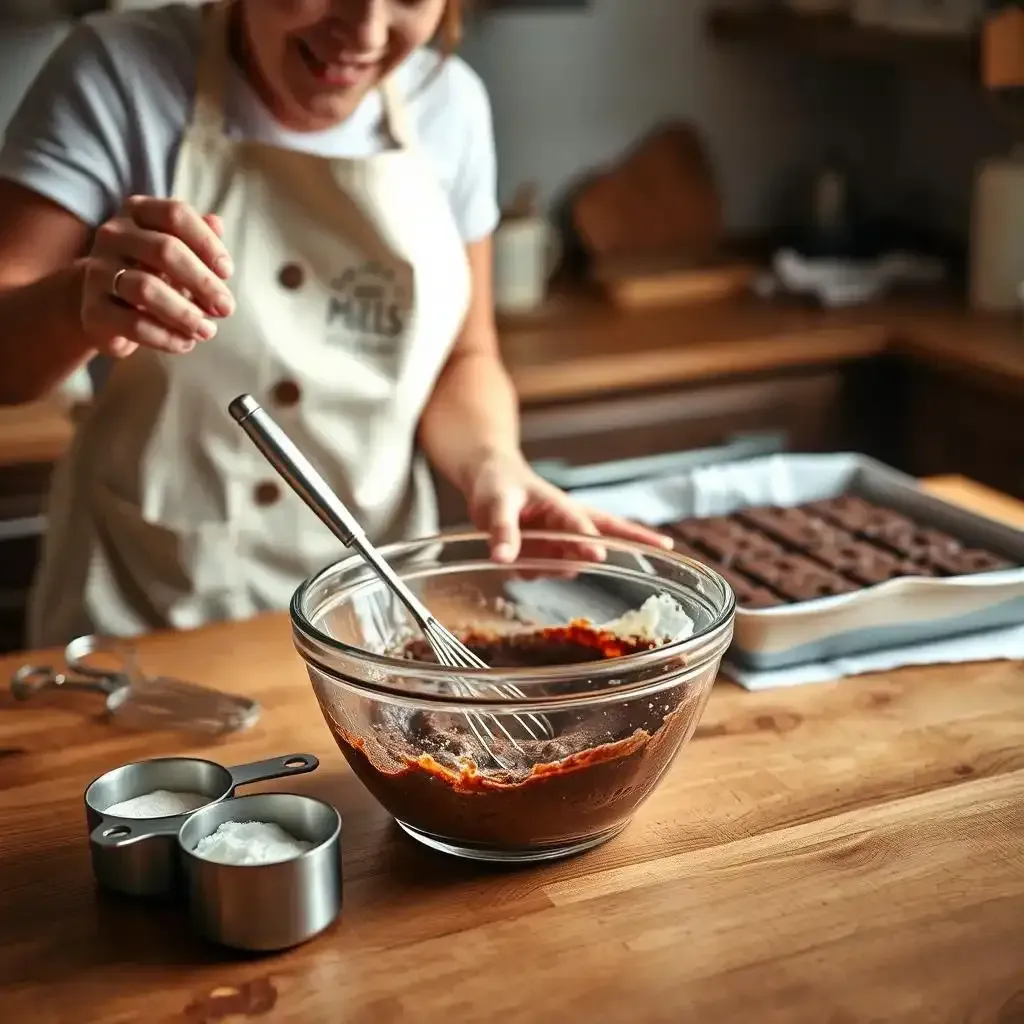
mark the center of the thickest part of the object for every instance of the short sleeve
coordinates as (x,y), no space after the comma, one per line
(474,188)
(68,139)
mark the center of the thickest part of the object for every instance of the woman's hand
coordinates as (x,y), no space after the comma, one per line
(155,277)
(505,496)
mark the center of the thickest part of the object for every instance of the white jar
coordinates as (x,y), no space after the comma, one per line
(997,234)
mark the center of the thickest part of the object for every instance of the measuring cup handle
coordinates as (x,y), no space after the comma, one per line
(272,768)
(113,833)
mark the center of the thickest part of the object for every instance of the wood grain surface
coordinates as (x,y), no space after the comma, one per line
(579,347)
(38,432)
(835,854)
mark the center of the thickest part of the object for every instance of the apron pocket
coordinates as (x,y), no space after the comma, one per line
(181,576)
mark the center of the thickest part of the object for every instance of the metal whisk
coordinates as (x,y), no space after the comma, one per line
(299,473)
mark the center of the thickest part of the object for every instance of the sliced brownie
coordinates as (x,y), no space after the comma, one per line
(771,555)
(864,563)
(795,577)
(966,562)
(858,516)
(724,539)
(794,527)
(918,542)
(748,593)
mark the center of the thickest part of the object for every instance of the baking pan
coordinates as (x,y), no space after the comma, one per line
(899,612)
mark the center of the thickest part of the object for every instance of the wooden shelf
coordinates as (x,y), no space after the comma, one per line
(836,35)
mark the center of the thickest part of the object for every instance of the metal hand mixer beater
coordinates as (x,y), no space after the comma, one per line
(299,473)
(134,698)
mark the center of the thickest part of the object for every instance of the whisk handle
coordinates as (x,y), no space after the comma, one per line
(297,471)
(300,474)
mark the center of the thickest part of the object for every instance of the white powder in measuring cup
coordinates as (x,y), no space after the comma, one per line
(250,842)
(159,804)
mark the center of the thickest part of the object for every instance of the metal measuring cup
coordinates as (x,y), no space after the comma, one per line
(139,856)
(265,907)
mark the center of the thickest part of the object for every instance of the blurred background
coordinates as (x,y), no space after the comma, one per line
(729,228)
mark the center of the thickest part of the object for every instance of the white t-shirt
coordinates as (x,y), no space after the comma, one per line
(105,118)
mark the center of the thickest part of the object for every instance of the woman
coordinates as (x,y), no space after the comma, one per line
(292,198)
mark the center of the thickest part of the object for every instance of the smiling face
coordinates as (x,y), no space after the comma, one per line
(312,61)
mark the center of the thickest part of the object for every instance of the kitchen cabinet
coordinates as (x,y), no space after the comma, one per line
(23,491)
(957,424)
(805,411)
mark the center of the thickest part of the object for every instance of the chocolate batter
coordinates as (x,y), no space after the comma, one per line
(604,760)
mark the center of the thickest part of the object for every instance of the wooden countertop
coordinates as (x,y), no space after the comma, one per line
(40,432)
(846,852)
(580,346)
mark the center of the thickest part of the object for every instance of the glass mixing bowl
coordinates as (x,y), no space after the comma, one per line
(522,763)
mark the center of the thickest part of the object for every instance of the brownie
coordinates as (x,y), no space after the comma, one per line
(865,564)
(796,577)
(966,562)
(813,588)
(794,527)
(748,593)
(858,516)
(918,542)
(773,556)
(692,530)
(724,539)
(688,551)
(759,598)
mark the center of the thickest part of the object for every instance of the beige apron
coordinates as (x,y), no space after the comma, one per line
(351,285)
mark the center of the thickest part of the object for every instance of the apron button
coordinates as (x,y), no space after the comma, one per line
(286,393)
(291,276)
(266,493)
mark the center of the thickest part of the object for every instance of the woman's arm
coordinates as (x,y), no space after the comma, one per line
(42,340)
(56,303)
(470,432)
(473,413)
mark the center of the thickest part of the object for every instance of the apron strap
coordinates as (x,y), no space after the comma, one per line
(211,79)
(396,113)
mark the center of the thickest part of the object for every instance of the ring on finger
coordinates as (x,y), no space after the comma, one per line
(116,282)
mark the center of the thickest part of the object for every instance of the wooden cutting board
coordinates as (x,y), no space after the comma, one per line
(652,224)
(672,279)
(659,196)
